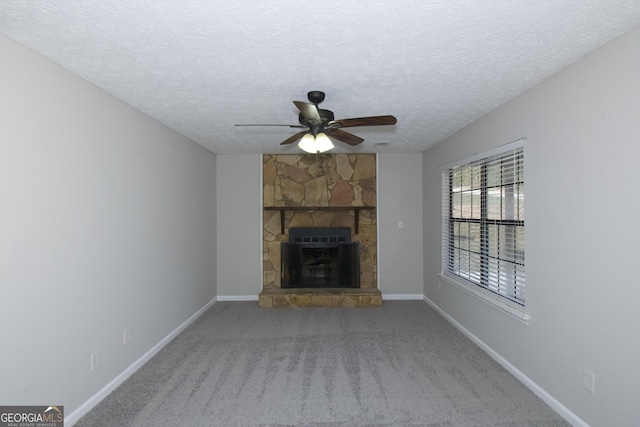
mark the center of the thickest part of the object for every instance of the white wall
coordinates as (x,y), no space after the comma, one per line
(239,195)
(400,200)
(582,175)
(107,222)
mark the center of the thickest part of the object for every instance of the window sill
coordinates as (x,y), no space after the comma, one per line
(514,311)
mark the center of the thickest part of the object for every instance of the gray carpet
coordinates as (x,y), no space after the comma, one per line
(400,364)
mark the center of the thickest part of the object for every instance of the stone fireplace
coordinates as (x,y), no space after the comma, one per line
(308,191)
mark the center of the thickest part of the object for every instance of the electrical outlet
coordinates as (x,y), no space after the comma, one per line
(95,360)
(400,224)
(589,381)
(126,336)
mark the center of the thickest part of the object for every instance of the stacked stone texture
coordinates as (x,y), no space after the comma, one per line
(329,180)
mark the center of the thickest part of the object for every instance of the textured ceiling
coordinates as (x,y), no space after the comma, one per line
(202,66)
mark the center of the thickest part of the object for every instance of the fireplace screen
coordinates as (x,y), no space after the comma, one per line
(320,258)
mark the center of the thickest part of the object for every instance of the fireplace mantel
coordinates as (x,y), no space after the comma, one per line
(356,210)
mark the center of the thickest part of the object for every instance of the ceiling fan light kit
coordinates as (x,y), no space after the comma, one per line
(323,143)
(321,125)
(318,144)
(308,143)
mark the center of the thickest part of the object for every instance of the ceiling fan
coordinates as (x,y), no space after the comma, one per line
(320,125)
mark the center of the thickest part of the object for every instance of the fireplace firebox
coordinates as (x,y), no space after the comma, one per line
(320,257)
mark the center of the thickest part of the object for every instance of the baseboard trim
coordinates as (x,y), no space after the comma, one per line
(74,416)
(388,297)
(238,298)
(402,297)
(562,410)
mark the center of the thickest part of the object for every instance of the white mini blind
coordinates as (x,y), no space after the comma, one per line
(483,223)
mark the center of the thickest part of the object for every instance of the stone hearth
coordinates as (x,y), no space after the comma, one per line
(277,297)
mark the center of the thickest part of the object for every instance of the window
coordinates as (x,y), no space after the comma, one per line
(483,225)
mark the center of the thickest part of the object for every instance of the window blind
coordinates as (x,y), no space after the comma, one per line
(483,223)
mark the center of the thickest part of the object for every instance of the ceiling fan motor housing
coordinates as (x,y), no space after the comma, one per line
(326,116)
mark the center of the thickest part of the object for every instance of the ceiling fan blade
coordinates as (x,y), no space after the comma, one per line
(294,138)
(364,121)
(309,111)
(291,126)
(346,137)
